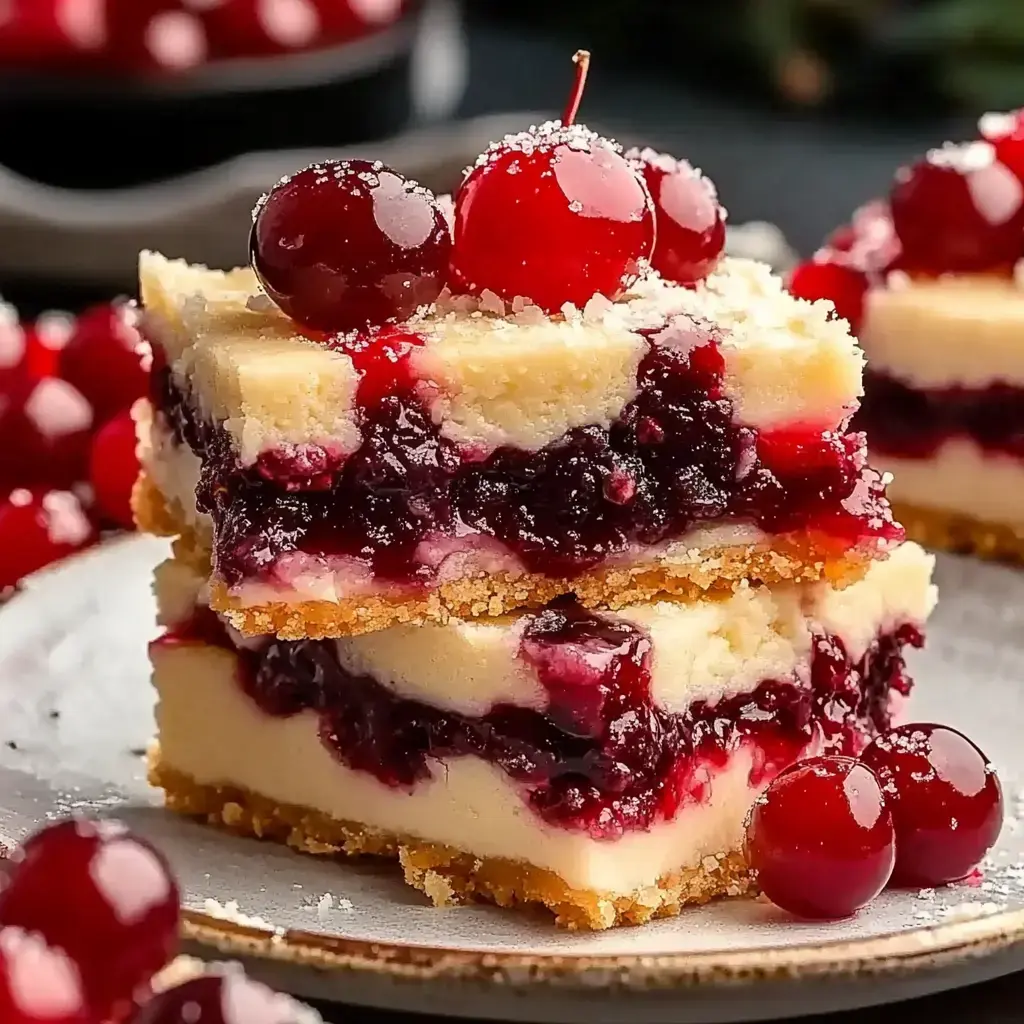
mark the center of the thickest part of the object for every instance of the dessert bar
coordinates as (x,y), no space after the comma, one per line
(930,277)
(599,764)
(477,457)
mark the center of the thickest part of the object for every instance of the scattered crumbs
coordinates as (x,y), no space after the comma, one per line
(926,894)
(344,904)
(230,912)
(296,885)
(323,907)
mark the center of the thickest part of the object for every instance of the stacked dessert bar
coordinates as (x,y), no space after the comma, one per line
(535,600)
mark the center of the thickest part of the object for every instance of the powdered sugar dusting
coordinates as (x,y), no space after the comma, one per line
(230,911)
(542,139)
(964,157)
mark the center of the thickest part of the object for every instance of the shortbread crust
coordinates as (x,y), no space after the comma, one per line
(950,531)
(788,560)
(446,875)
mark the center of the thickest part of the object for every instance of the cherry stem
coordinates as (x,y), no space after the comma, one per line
(582,61)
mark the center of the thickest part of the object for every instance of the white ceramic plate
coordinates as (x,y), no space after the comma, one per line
(75,713)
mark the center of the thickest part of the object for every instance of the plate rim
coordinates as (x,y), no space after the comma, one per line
(894,953)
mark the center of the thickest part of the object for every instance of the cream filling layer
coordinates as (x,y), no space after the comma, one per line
(174,468)
(963,330)
(706,649)
(498,376)
(962,478)
(209,730)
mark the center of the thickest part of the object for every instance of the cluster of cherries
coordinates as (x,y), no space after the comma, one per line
(920,807)
(67,441)
(168,36)
(550,217)
(959,210)
(89,915)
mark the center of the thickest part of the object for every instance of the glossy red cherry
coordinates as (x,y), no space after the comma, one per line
(821,839)
(224,995)
(946,801)
(113,469)
(105,897)
(350,245)
(844,286)
(554,215)
(960,210)
(38,528)
(38,984)
(107,359)
(690,219)
(44,433)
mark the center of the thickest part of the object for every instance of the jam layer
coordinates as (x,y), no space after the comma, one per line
(914,423)
(602,757)
(673,460)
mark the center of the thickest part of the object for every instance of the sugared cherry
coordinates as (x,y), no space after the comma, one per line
(821,839)
(350,245)
(44,433)
(554,215)
(105,897)
(224,995)
(38,984)
(844,286)
(107,359)
(113,468)
(691,221)
(946,801)
(960,210)
(37,528)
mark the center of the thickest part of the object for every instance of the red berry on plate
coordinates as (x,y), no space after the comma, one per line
(554,215)
(691,221)
(107,359)
(843,285)
(113,469)
(946,801)
(821,839)
(960,210)
(38,984)
(44,342)
(38,528)
(105,897)
(350,245)
(44,433)
(224,995)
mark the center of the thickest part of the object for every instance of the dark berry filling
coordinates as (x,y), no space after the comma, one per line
(913,422)
(602,757)
(673,460)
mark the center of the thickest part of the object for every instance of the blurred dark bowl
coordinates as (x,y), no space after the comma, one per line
(79,133)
